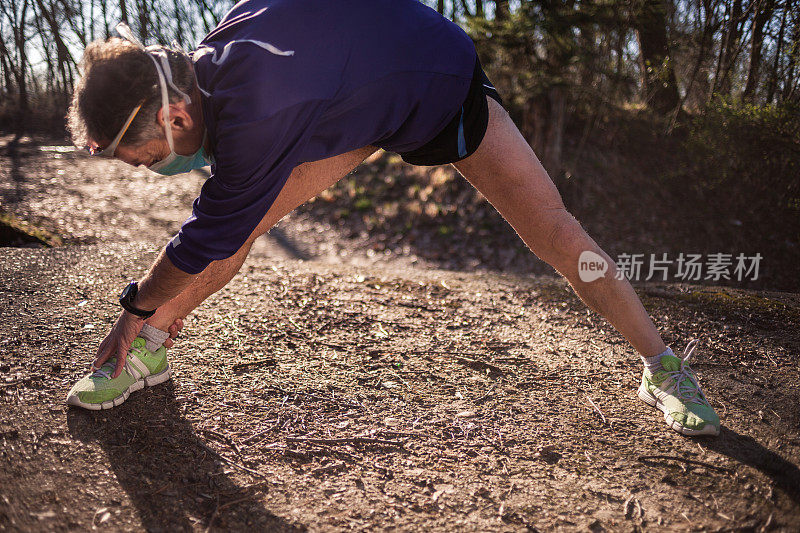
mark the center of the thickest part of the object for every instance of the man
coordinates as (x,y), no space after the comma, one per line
(284,98)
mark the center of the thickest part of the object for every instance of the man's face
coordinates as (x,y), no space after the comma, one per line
(187,134)
(144,154)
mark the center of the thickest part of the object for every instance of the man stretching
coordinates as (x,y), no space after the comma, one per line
(284,98)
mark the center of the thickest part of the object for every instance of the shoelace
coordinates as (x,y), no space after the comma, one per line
(690,391)
(100,373)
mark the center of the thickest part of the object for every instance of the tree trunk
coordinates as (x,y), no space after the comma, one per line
(6,65)
(105,19)
(587,68)
(776,64)
(20,72)
(51,82)
(63,57)
(534,121)
(763,12)
(555,130)
(619,50)
(658,73)
(143,21)
(91,19)
(177,13)
(794,52)
(708,32)
(730,48)
(501,10)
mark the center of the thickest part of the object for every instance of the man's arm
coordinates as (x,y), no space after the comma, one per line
(161,284)
(179,293)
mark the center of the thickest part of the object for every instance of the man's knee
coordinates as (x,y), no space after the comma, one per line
(566,239)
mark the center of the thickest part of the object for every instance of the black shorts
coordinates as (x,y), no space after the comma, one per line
(462,135)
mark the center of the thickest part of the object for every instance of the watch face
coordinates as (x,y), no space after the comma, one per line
(127,290)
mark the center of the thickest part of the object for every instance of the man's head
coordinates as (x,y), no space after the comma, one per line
(118,77)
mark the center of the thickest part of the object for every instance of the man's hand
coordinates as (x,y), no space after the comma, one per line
(119,340)
(174,329)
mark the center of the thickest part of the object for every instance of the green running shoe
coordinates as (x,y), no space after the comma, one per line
(142,368)
(675,391)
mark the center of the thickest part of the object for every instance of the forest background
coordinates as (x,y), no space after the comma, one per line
(670,126)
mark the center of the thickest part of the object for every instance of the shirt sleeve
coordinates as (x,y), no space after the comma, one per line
(255,158)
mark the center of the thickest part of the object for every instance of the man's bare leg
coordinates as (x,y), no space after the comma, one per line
(507,172)
(305,182)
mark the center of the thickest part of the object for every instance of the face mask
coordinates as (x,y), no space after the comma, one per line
(178,164)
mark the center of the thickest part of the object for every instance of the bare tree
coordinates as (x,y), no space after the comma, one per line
(762,13)
(17,14)
(776,62)
(658,71)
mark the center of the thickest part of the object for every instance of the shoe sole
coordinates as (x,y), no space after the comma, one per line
(149,381)
(653,401)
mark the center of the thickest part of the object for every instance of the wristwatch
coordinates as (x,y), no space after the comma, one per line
(126,301)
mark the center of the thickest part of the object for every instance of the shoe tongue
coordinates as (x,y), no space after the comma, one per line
(670,363)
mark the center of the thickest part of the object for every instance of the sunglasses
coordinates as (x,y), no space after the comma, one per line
(108,151)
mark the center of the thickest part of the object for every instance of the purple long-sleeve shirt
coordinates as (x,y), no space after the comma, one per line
(290,81)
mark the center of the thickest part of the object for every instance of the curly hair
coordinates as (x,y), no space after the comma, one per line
(117,75)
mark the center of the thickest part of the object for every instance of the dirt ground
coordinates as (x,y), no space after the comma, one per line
(329,387)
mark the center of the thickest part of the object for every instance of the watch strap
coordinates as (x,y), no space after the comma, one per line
(126,301)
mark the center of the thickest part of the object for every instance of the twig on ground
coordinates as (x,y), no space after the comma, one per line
(213,516)
(331,345)
(633,504)
(452,353)
(346,440)
(234,464)
(264,362)
(480,365)
(257,436)
(224,438)
(252,491)
(401,433)
(237,500)
(157,491)
(766,525)
(599,412)
(544,377)
(417,306)
(323,449)
(328,469)
(646,458)
(15,383)
(310,396)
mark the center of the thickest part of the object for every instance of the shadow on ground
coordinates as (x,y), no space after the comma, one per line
(173,479)
(746,450)
(11,149)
